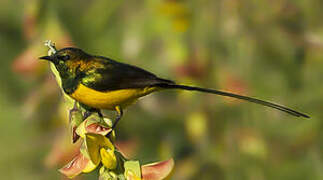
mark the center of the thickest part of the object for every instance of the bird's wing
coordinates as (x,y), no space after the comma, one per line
(114,76)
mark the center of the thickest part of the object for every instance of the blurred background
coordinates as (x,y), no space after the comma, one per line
(270,49)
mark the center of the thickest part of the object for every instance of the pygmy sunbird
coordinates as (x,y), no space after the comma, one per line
(98,82)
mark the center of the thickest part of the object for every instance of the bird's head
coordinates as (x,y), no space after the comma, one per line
(67,60)
(66,55)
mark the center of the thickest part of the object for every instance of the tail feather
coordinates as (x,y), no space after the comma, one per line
(222,93)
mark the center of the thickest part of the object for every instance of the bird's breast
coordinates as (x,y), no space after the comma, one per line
(109,99)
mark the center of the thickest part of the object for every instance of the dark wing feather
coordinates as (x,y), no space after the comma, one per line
(115,76)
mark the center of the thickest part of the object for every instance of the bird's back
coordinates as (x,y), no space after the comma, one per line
(110,83)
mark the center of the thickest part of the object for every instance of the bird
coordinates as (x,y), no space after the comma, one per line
(98,83)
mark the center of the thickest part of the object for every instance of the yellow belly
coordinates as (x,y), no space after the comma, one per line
(109,99)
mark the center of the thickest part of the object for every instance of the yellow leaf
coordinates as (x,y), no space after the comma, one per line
(109,159)
(80,130)
(93,143)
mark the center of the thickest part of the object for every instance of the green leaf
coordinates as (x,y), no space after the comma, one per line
(104,174)
(132,168)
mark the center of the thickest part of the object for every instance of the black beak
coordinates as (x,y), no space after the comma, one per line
(48,58)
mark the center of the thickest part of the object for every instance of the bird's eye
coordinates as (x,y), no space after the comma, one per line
(64,58)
